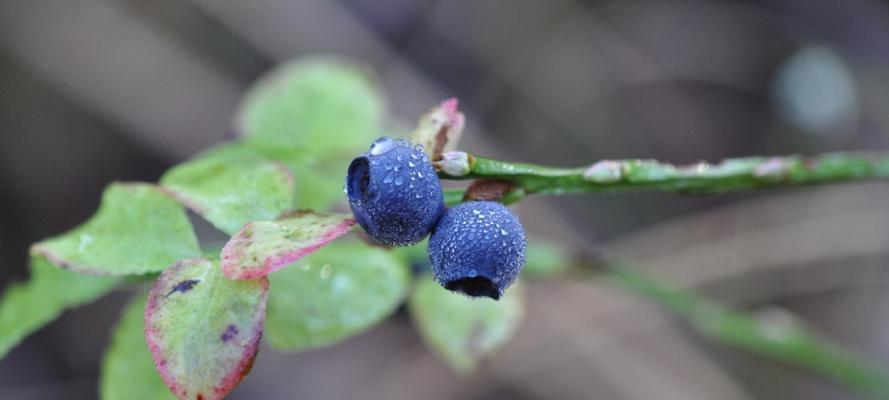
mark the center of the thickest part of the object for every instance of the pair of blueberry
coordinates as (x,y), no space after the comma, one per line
(477,247)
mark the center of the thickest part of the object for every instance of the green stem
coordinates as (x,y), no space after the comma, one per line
(780,337)
(701,178)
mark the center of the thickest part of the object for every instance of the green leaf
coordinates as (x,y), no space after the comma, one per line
(316,103)
(137,229)
(230,193)
(319,177)
(439,129)
(543,260)
(776,334)
(262,247)
(462,330)
(127,370)
(203,330)
(27,306)
(334,294)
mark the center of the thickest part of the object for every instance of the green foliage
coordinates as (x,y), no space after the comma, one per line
(127,370)
(138,229)
(331,295)
(463,330)
(544,260)
(780,337)
(203,329)
(27,306)
(230,193)
(317,104)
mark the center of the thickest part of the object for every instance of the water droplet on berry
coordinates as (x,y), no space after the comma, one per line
(411,164)
(381,146)
(387,179)
(472,273)
(503,232)
(398,181)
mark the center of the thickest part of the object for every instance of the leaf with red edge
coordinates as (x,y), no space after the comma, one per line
(439,129)
(262,247)
(203,330)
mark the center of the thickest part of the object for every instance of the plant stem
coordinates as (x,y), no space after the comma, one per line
(776,334)
(701,178)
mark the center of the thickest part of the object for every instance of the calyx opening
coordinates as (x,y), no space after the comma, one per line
(478,286)
(359,179)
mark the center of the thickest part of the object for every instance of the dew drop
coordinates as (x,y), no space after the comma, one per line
(326,270)
(418,147)
(411,164)
(399,158)
(419,174)
(398,181)
(503,232)
(387,179)
(381,146)
(472,273)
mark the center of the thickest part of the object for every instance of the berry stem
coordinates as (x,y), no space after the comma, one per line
(701,178)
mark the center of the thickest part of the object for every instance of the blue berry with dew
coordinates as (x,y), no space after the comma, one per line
(394,192)
(477,248)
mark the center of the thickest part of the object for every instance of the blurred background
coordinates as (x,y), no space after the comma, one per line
(99,90)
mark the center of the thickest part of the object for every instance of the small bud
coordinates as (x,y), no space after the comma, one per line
(605,171)
(454,163)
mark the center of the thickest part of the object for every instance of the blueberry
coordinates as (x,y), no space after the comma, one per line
(477,248)
(394,193)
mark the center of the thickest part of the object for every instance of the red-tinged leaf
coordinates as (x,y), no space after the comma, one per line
(262,247)
(439,129)
(203,330)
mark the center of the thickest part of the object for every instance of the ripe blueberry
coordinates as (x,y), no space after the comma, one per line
(394,193)
(477,248)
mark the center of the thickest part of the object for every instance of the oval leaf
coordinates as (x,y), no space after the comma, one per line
(232,192)
(316,103)
(137,229)
(127,370)
(331,295)
(203,330)
(439,129)
(262,247)
(27,306)
(462,330)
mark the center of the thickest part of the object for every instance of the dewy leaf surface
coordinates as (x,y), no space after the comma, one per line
(231,192)
(137,229)
(462,330)
(338,292)
(27,306)
(203,330)
(128,371)
(262,247)
(314,103)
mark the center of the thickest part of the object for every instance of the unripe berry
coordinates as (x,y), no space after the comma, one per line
(394,193)
(477,248)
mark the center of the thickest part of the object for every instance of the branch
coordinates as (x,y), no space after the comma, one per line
(775,334)
(637,175)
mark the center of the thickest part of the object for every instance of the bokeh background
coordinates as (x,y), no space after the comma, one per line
(99,90)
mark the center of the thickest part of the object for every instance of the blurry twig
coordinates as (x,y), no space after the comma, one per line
(776,335)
